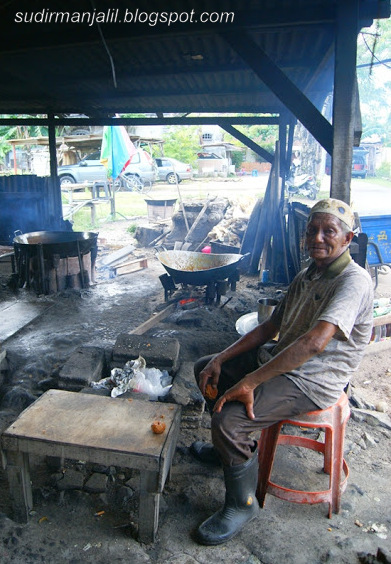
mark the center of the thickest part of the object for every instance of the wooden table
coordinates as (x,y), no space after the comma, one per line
(103,430)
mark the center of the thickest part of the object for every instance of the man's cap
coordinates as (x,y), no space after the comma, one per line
(338,208)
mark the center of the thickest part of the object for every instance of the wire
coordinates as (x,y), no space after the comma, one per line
(106,47)
(372,49)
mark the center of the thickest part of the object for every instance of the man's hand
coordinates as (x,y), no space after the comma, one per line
(210,375)
(242,392)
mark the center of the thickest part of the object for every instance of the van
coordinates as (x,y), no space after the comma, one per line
(359,163)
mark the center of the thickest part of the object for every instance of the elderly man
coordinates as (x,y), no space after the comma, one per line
(324,323)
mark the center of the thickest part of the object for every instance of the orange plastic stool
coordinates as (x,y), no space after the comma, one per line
(333,420)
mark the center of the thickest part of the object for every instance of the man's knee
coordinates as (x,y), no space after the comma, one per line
(220,424)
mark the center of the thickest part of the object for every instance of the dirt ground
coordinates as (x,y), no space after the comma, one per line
(75,526)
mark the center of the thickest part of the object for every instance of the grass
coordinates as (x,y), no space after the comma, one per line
(127,204)
(132,204)
(379,181)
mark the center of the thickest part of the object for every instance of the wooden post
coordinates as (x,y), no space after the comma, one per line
(149,506)
(55,204)
(345,96)
(93,214)
(18,474)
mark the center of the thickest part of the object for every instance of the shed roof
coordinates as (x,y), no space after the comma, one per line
(52,64)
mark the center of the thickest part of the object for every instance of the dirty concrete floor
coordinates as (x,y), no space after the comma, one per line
(69,527)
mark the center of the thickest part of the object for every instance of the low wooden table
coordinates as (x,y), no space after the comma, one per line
(103,430)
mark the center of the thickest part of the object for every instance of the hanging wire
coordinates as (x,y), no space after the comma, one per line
(106,47)
(372,49)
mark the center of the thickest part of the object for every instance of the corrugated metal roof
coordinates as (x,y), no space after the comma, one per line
(184,67)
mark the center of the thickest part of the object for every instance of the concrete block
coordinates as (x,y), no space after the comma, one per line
(158,353)
(96,483)
(86,365)
(69,480)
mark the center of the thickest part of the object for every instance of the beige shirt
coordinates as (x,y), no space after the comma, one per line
(342,295)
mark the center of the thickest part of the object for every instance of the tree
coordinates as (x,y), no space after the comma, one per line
(374,79)
(182,142)
(17,132)
(264,135)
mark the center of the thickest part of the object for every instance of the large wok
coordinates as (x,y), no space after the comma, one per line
(62,243)
(188,267)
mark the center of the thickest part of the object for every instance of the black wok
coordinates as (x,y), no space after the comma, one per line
(188,267)
(62,243)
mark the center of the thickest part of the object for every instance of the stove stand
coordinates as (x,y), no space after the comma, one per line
(212,291)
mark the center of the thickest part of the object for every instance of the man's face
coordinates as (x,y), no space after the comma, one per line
(326,239)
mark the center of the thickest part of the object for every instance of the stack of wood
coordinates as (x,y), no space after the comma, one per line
(266,234)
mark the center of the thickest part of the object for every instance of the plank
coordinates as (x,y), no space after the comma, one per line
(154,320)
(128,267)
(115,257)
(17,315)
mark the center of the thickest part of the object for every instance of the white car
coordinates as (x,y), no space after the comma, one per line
(166,167)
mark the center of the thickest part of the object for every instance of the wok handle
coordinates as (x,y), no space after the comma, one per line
(244,257)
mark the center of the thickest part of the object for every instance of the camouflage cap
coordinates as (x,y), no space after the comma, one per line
(338,208)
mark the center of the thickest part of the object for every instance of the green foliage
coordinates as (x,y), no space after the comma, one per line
(18,132)
(384,171)
(132,228)
(374,46)
(264,135)
(182,143)
(237,158)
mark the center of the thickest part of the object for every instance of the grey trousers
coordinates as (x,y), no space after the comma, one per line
(274,400)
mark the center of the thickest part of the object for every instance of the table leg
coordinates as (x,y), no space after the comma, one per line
(149,506)
(18,474)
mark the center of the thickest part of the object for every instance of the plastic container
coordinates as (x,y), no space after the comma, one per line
(221,248)
(160,209)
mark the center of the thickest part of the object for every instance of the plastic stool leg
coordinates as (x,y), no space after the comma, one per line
(336,473)
(266,450)
(328,450)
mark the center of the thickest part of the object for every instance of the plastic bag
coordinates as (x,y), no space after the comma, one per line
(136,377)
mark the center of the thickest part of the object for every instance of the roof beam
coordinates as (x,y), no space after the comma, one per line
(95,73)
(192,120)
(249,143)
(282,87)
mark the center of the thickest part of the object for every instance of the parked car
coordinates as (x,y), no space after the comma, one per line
(166,167)
(359,163)
(91,169)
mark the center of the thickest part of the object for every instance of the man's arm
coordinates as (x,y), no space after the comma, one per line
(255,338)
(305,347)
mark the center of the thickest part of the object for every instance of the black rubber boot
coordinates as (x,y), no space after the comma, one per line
(240,507)
(205,452)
